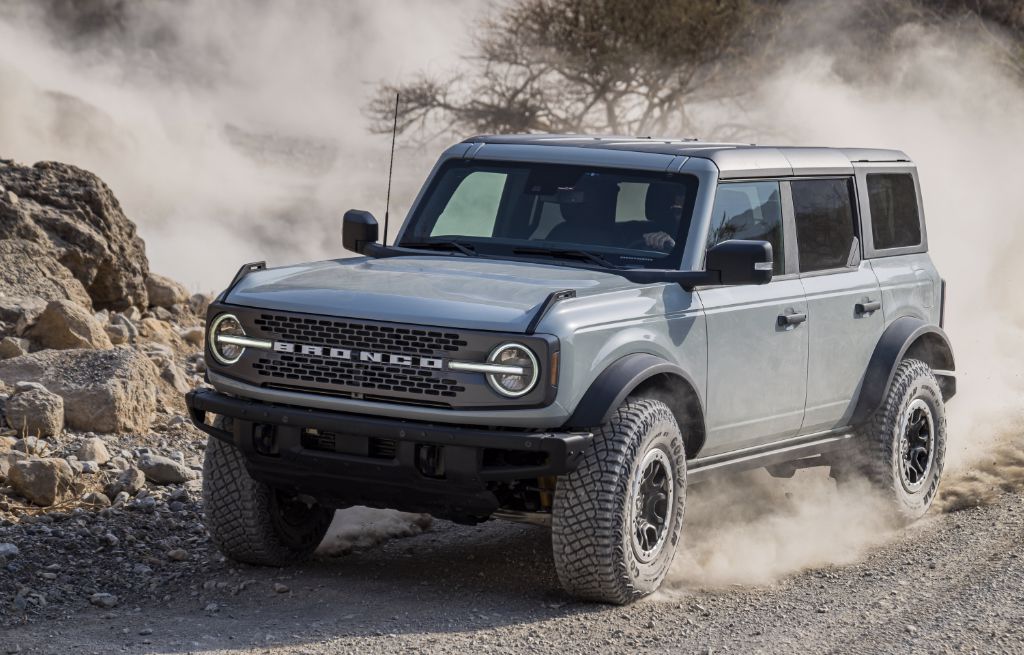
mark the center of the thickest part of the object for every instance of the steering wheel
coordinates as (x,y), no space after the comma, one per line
(641,244)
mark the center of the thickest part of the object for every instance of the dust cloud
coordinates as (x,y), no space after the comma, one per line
(230,130)
(753,529)
(943,99)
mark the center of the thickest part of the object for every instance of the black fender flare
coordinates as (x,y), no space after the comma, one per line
(895,343)
(616,382)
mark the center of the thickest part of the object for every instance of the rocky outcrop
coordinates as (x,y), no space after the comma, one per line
(78,224)
(64,325)
(103,390)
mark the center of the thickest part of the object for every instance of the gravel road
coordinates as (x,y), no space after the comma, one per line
(952,583)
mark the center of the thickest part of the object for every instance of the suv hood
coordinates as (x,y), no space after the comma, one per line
(452,291)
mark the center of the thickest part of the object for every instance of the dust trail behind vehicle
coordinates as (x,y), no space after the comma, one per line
(950,105)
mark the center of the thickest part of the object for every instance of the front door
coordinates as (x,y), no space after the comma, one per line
(757,335)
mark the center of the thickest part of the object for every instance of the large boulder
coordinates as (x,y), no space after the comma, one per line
(63,325)
(35,412)
(165,292)
(42,481)
(103,390)
(75,218)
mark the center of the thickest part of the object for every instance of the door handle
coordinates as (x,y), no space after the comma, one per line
(868,307)
(791,319)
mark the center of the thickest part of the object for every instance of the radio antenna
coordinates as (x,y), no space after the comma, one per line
(391,169)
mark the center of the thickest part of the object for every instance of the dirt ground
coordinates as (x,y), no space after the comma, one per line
(952,583)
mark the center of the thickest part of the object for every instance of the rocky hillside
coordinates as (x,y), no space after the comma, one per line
(100,468)
(96,351)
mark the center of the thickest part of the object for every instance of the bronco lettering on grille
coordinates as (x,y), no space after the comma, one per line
(367,356)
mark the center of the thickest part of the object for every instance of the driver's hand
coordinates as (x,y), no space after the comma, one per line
(659,241)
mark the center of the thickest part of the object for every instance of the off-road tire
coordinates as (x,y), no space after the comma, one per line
(251,522)
(879,455)
(592,534)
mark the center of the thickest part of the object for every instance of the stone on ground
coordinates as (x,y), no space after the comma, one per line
(64,325)
(93,450)
(164,470)
(36,412)
(42,481)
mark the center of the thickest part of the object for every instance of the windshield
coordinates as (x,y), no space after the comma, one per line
(625,218)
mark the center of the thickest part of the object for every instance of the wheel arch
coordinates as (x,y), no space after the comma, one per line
(643,374)
(905,338)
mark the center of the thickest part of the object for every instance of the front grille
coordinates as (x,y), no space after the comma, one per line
(359,336)
(374,361)
(375,377)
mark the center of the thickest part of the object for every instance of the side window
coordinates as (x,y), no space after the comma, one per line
(472,209)
(895,220)
(749,210)
(823,210)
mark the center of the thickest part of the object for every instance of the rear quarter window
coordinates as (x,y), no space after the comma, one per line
(825,232)
(895,218)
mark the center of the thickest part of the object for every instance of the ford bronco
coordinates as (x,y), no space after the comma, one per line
(567,330)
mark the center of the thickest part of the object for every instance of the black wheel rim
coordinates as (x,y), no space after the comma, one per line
(917,445)
(653,499)
(295,518)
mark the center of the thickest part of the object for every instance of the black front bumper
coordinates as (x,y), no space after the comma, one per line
(351,459)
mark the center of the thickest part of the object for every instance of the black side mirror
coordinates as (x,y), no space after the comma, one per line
(740,262)
(358,230)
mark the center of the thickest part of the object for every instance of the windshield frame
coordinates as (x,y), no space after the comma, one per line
(506,247)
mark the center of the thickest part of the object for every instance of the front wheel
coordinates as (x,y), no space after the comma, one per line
(617,518)
(252,522)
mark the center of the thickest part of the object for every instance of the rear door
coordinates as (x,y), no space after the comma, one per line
(844,304)
(757,335)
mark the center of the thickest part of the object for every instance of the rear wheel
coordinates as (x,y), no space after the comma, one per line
(616,519)
(902,449)
(252,522)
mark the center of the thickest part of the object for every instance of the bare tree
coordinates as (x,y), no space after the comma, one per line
(589,65)
(647,67)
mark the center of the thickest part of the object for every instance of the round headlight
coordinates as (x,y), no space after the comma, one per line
(225,325)
(514,383)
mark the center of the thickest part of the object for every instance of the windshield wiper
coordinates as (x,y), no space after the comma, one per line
(465,249)
(565,254)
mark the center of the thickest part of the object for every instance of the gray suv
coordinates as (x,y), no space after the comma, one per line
(566,331)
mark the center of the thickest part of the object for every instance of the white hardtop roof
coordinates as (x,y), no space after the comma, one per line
(732,159)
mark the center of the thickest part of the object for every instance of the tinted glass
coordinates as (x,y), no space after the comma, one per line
(895,222)
(627,217)
(473,208)
(749,210)
(823,210)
